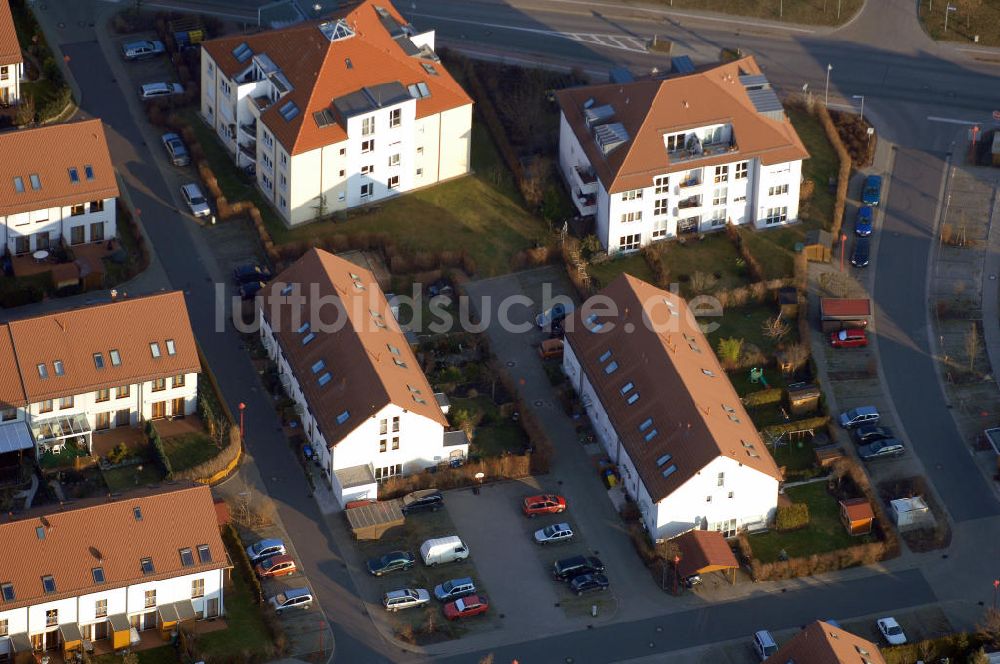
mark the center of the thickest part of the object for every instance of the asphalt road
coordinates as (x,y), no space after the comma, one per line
(902,316)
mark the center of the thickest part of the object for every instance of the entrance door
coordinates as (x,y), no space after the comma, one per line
(97,232)
(100,631)
(42,240)
(123,417)
(159,410)
(77,234)
(177,407)
(212,607)
(102,421)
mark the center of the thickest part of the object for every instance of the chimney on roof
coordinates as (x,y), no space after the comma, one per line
(686,105)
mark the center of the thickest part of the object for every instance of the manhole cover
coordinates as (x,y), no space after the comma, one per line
(993,277)
(510,364)
(61,25)
(539,402)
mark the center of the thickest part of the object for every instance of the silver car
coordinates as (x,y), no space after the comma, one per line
(558,532)
(406,598)
(157,90)
(176,149)
(142,49)
(195,200)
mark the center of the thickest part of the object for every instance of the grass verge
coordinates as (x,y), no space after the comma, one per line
(130,477)
(187,450)
(971,19)
(808,12)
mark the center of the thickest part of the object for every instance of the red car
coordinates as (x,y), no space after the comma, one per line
(850,338)
(544,504)
(466,607)
(282,565)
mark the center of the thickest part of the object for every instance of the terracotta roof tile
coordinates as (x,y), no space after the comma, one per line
(68,542)
(366,374)
(318,71)
(858,509)
(10,49)
(11,388)
(128,326)
(49,152)
(680,386)
(703,551)
(822,643)
(649,109)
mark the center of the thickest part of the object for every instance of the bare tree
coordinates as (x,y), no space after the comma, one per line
(702,282)
(536,177)
(775,328)
(797,355)
(989,629)
(972,345)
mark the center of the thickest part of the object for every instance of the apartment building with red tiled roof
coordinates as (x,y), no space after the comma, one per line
(11,60)
(339,112)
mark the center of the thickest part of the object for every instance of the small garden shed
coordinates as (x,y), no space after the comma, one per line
(857,515)
(818,246)
(369,522)
(704,551)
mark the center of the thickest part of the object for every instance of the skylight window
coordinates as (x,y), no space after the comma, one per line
(627,387)
(731,413)
(708,372)
(19,184)
(324,379)
(57,368)
(611,368)
(204,553)
(74,175)
(303,328)
(419,400)
(137,513)
(171,349)
(43,371)
(242,52)
(146,564)
(429,68)
(36,182)
(651,435)
(669,470)
(187,558)
(7,590)
(287,290)
(154,348)
(116,358)
(88,172)
(40,532)
(289,111)
(633,398)
(663,460)
(399,362)
(309,337)
(343,417)
(98,360)
(604,356)
(318,366)
(419,90)
(98,574)
(393,349)
(646,423)
(48,585)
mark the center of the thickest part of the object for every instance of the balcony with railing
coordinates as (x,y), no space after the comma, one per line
(249,129)
(690,202)
(702,151)
(690,180)
(248,152)
(585,179)
(586,204)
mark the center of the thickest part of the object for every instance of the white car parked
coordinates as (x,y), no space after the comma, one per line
(195,200)
(557,532)
(891,631)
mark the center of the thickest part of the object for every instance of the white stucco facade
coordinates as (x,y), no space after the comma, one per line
(393,441)
(694,199)
(387,151)
(80,223)
(11,74)
(91,611)
(724,495)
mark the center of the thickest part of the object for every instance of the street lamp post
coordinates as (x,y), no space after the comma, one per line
(826,97)
(948,8)
(677,572)
(242,408)
(843,241)
(996,586)
(862,98)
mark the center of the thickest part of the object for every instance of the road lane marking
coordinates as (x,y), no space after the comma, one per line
(610,41)
(934,118)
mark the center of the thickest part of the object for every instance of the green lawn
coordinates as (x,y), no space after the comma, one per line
(714,255)
(798,455)
(824,533)
(740,378)
(746,323)
(983,19)
(62,459)
(116,273)
(811,12)
(821,165)
(130,477)
(493,434)
(482,214)
(634,264)
(247,633)
(189,449)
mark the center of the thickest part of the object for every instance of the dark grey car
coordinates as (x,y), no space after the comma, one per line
(881,449)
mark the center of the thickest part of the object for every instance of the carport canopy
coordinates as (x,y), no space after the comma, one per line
(704,551)
(15,437)
(368,522)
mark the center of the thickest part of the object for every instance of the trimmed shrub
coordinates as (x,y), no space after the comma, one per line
(792,517)
(161,453)
(239,557)
(843,173)
(762,397)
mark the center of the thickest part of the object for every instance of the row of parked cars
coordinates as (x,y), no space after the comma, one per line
(270,559)
(871,196)
(873,441)
(889,629)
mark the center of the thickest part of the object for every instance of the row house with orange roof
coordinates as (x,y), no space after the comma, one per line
(61,188)
(657,158)
(666,414)
(11,60)
(94,574)
(66,375)
(365,404)
(337,113)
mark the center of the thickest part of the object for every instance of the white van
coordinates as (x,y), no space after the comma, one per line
(443,550)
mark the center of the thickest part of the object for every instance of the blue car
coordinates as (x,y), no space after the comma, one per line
(863,222)
(872,192)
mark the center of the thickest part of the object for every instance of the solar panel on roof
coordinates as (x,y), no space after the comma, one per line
(764,100)
(610,136)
